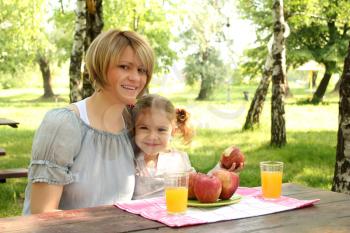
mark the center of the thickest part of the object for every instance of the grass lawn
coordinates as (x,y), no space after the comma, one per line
(309,155)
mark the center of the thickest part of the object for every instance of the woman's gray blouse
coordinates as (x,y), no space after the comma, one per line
(94,167)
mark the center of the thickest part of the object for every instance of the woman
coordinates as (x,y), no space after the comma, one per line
(81,155)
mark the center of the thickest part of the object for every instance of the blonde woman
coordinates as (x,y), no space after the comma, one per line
(81,155)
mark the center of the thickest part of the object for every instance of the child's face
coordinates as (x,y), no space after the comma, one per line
(152,131)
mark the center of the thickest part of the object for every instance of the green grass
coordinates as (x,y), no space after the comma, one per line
(309,155)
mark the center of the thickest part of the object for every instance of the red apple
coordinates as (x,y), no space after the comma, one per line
(207,188)
(229,181)
(231,155)
(191,180)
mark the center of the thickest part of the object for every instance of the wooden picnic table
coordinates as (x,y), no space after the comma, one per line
(4,121)
(15,172)
(331,214)
(13,124)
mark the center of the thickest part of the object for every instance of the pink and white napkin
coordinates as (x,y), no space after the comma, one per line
(251,204)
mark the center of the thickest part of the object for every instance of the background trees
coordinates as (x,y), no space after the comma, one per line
(146,17)
(42,30)
(318,31)
(202,42)
(31,32)
(278,124)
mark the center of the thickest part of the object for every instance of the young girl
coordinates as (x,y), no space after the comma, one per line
(156,121)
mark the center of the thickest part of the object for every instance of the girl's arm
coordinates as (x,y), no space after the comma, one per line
(231,169)
(45,197)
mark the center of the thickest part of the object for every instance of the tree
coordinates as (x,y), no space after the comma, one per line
(16,35)
(201,41)
(20,31)
(318,31)
(146,17)
(46,74)
(94,25)
(334,45)
(341,179)
(151,18)
(205,67)
(33,33)
(257,104)
(77,52)
(278,126)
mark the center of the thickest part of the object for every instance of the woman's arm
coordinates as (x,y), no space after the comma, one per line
(45,197)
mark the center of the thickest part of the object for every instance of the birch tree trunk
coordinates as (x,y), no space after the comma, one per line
(278,127)
(341,179)
(94,25)
(76,58)
(253,117)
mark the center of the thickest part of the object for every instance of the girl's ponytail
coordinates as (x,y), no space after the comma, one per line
(182,123)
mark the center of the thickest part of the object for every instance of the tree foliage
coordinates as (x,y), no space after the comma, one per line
(208,68)
(311,33)
(202,37)
(29,28)
(19,21)
(30,32)
(149,18)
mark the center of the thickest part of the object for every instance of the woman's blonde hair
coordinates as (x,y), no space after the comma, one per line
(107,48)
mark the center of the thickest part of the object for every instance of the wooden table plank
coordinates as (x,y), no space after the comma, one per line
(331,214)
(13,124)
(100,219)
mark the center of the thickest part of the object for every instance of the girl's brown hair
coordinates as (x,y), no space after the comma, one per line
(179,116)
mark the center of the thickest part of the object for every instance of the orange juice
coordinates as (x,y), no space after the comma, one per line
(271,184)
(176,199)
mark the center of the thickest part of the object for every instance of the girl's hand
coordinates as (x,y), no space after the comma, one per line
(233,167)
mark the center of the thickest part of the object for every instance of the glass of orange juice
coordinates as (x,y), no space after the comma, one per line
(271,179)
(176,191)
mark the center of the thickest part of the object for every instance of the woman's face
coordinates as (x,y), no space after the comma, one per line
(153,130)
(127,78)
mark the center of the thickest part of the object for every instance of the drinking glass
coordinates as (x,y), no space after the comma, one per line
(176,191)
(271,179)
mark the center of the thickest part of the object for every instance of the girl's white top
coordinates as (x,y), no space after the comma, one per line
(95,167)
(150,181)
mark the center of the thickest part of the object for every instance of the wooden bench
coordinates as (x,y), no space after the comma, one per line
(2,152)
(11,123)
(12,173)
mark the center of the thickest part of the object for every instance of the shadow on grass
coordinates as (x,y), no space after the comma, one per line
(21,100)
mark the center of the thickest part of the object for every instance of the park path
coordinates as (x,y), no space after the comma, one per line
(211,116)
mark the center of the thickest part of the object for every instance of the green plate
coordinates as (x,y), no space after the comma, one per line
(232,200)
